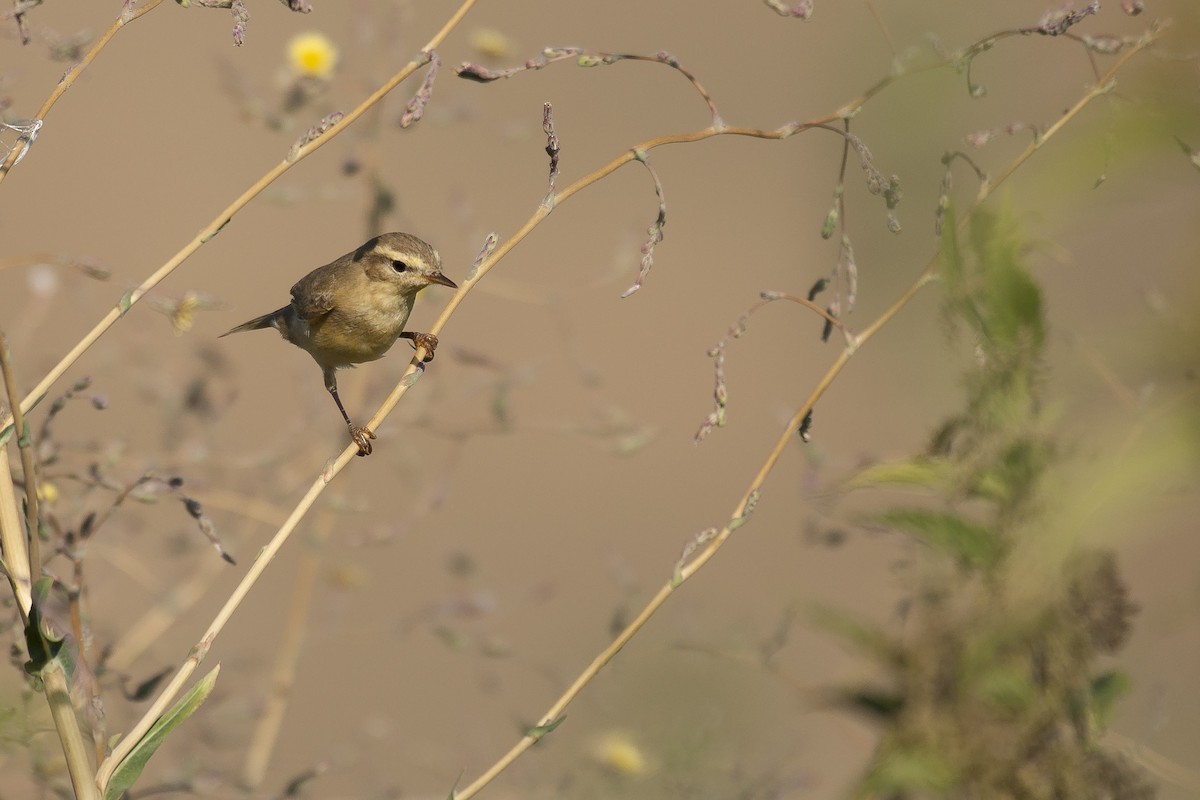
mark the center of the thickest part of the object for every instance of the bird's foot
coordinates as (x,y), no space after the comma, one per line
(426,340)
(362,437)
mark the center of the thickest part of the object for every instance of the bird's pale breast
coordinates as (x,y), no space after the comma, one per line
(364,332)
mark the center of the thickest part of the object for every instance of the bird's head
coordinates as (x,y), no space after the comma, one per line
(402,260)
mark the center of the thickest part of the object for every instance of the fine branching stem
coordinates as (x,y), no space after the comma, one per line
(126,16)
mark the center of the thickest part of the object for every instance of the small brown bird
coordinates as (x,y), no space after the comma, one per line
(354,309)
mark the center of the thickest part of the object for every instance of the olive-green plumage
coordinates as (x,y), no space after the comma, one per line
(354,309)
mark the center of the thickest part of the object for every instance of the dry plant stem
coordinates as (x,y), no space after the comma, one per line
(68,80)
(270,719)
(786,437)
(13,541)
(209,231)
(25,447)
(813,307)
(62,710)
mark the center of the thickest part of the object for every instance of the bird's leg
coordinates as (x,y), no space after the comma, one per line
(361,436)
(426,340)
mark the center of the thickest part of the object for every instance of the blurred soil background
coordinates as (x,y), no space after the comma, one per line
(539,482)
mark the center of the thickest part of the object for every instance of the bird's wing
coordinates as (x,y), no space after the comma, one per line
(312,296)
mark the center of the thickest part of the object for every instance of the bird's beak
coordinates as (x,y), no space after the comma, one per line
(439,278)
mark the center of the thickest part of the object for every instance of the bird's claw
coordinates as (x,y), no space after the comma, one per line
(426,340)
(362,437)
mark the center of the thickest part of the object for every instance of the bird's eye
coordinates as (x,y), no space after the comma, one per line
(399,266)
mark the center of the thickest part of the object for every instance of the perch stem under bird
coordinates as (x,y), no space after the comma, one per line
(354,309)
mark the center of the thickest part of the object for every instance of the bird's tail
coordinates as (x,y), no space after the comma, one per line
(265,321)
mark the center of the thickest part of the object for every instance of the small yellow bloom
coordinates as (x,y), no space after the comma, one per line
(47,492)
(618,752)
(312,55)
(491,43)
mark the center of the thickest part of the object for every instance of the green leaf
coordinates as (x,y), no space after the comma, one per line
(926,473)
(1107,688)
(1008,688)
(537,732)
(42,643)
(877,704)
(131,767)
(7,431)
(126,302)
(907,770)
(1010,300)
(972,544)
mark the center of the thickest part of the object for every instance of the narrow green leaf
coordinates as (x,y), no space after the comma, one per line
(128,770)
(972,544)
(677,577)
(926,473)
(454,789)
(126,302)
(1007,688)
(536,733)
(42,643)
(881,705)
(1107,688)
(7,431)
(909,770)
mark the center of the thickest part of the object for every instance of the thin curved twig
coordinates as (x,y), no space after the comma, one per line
(128,14)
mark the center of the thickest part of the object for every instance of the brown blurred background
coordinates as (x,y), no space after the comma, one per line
(481,557)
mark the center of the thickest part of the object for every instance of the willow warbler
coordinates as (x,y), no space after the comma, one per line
(354,309)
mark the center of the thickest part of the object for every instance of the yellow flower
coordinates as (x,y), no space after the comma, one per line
(491,43)
(47,492)
(618,752)
(312,55)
